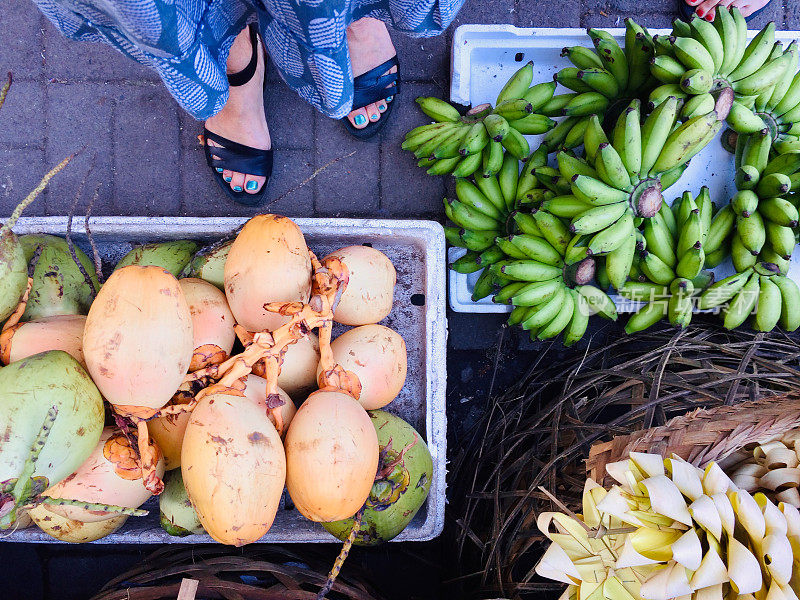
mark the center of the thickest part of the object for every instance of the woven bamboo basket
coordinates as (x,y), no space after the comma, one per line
(252,573)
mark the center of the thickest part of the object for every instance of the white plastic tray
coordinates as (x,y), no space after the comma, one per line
(417,249)
(485,56)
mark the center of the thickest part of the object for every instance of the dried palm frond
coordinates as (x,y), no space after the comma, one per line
(539,432)
(252,573)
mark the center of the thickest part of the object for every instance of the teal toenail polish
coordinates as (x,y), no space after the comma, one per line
(219,169)
(252,185)
(237,188)
(374,117)
(389,98)
(228,179)
(360,120)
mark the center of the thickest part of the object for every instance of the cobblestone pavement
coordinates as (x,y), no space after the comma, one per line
(69,94)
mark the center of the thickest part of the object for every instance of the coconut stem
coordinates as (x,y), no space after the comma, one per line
(70,244)
(13,320)
(12,220)
(5,88)
(339,562)
(122,510)
(98,262)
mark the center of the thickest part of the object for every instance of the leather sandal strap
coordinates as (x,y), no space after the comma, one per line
(376,84)
(234,156)
(246,74)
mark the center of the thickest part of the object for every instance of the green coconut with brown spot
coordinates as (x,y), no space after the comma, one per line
(404,478)
(13,273)
(172,256)
(60,286)
(177,515)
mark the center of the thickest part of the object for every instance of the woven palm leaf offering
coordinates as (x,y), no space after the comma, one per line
(528,454)
(271,572)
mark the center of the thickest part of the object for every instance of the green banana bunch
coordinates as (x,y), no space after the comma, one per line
(759,292)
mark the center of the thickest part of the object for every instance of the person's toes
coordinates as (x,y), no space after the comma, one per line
(693,2)
(382,106)
(227,175)
(237,183)
(252,184)
(359,118)
(372,112)
(704,7)
(748,8)
(710,15)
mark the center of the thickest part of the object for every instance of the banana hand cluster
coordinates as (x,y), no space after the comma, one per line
(477,142)
(759,292)
(671,263)
(669,529)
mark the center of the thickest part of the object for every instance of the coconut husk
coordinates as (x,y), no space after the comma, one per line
(539,432)
(703,436)
(262,573)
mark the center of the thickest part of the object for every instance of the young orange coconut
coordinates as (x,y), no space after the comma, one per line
(112,475)
(138,344)
(268,262)
(212,323)
(20,340)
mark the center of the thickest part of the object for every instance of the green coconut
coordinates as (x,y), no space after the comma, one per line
(51,416)
(209,264)
(172,256)
(405,474)
(59,287)
(178,516)
(13,273)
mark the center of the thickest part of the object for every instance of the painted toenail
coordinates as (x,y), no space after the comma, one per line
(219,169)
(389,98)
(228,179)
(359,119)
(252,185)
(381,107)
(374,117)
(237,188)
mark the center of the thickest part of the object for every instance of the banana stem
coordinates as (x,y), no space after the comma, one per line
(12,220)
(122,510)
(339,562)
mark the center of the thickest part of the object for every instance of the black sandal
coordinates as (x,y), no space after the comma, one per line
(233,156)
(370,87)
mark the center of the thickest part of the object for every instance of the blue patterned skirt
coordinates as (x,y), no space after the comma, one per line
(187,41)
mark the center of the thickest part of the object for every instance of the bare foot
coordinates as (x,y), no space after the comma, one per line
(370,45)
(707,9)
(242,119)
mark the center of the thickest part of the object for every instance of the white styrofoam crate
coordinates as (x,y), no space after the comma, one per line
(417,250)
(485,56)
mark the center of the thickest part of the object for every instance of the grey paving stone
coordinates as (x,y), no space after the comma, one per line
(774,11)
(597,18)
(20,32)
(289,117)
(792,14)
(631,8)
(80,115)
(480,11)
(67,59)
(543,13)
(22,169)
(146,152)
(22,117)
(350,186)
(406,190)
(422,59)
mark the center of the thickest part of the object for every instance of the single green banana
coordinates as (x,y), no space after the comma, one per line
(741,257)
(743,120)
(769,255)
(438,109)
(466,264)
(546,312)
(555,138)
(697,81)
(504,243)
(491,256)
(575,135)
(484,286)
(743,303)
(535,293)
(756,150)
(692,262)
(611,168)
(475,140)
(746,178)
(492,158)
(556,104)
(779,211)
(496,126)
(655,131)
(666,69)
(505,293)
(790,303)
(517,84)
(681,143)
(612,56)
(419,135)
(741,34)
(587,103)
(755,54)
(477,241)
(663,92)
(516,145)
(598,301)
(660,241)
(533,124)
(576,249)
(784,83)
(536,248)
(668,219)
(508,177)
(692,54)
(490,188)
(593,137)
(613,236)
(628,138)
(681,28)
(519,314)
(467,165)
(752,232)
(582,57)
(721,291)
(672,176)
(468,218)
(691,233)
(744,203)
(443,166)
(595,191)
(529,270)
(597,218)
(781,239)
(425,150)
(774,184)
(787,164)
(655,269)
(553,230)
(566,207)
(639,55)
(570,165)
(647,316)
(716,257)
(561,320)
(601,81)
(765,77)
(448,148)
(568,77)
(705,33)
(726,28)
(540,94)
(619,261)
(720,229)
(579,322)
(700,104)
